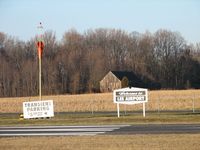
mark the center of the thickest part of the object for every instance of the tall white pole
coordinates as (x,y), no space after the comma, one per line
(40,49)
(40,78)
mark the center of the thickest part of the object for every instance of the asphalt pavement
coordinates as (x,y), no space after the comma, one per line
(158,129)
(57,130)
(100,129)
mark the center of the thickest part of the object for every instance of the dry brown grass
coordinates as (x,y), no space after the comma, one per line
(104,142)
(158,100)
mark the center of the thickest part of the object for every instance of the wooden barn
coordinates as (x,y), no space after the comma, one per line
(119,79)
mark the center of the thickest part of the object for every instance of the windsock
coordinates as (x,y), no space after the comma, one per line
(40,43)
(40,47)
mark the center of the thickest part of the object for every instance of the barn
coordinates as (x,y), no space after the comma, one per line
(119,79)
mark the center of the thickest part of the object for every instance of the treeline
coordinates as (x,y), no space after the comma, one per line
(78,62)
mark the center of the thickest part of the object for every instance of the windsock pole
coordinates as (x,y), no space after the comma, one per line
(40,78)
(40,47)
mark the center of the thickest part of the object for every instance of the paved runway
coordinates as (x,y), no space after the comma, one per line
(58,130)
(158,129)
(100,129)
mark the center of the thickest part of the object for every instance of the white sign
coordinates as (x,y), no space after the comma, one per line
(38,109)
(130,96)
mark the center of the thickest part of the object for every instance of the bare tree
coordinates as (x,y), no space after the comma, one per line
(78,62)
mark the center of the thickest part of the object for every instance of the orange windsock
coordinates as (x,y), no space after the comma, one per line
(40,47)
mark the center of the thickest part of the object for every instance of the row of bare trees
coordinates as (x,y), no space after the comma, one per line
(78,62)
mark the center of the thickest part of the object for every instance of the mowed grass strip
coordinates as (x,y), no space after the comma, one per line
(158,100)
(104,142)
(104,118)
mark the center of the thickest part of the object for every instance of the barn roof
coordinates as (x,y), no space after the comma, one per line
(120,74)
(136,80)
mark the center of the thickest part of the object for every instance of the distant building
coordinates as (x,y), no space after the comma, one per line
(119,79)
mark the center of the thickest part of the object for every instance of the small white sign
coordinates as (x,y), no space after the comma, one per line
(38,109)
(130,96)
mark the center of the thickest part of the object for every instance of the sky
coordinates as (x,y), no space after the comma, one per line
(20,18)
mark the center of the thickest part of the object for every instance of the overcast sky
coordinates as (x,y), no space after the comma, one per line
(20,18)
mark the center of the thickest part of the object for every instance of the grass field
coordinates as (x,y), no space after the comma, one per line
(105,142)
(100,109)
(104,118)
(104,112)
(158,101)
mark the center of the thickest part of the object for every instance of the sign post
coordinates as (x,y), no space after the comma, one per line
(118,110)
(143,109)
(130,96)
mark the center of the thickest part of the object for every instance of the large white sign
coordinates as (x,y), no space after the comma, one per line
(38,109)
(130,96)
